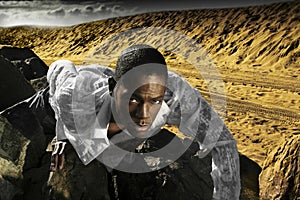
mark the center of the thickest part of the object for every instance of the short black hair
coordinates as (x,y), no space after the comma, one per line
(137,55)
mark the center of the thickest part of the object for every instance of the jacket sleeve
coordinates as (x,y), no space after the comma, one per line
(61,78)
(75,96)
(197,119)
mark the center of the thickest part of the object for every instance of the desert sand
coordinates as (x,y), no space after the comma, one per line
(255,50)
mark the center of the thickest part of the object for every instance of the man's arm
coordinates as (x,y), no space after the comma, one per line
(196,118)
(75,96)
(225,159)
(61,77)
(226,172)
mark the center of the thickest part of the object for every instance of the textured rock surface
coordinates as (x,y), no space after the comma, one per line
(18,66)
(26,61)
(280,178)
(12,80)
(39,83)
(249,178)
(77,181)
(24,163)
(13,147)
(25,170)
(186,179)
(25,130)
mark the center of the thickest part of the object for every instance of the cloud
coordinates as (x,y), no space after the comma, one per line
(74,11)
(118,9)
(97,11)
(88,10)
(3,18)
(60,12)
(70,12)
(102,10)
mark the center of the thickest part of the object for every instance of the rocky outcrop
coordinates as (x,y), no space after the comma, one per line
(39,83)
(13,86)
(250,171)
(19,68)
(26,125)
(24,163)
(280,178)
(26,61)
(11,160)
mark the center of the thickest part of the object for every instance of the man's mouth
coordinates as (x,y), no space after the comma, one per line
(141,128)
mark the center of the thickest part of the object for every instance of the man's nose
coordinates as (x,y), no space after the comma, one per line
(143,111)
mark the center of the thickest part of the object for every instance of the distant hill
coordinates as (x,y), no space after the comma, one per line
(263,36)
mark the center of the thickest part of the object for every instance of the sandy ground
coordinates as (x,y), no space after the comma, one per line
(255,50)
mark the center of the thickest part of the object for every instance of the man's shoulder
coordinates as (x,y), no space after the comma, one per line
(172,76)
(96,69)
(176,81)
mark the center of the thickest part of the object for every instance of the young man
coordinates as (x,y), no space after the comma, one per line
(108,115)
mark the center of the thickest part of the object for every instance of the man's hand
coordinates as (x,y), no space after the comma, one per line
(58,156)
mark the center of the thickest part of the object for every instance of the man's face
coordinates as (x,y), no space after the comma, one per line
(142,99)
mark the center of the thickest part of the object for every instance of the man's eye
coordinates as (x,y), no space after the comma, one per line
(156,101)
(132,100)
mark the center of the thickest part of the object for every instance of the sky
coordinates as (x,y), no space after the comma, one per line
(70,12)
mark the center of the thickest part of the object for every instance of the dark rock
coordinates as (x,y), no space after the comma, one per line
(38,67)
(280,178)
(78,181)
(250,171)
(13,86)
(15,53)
(34,119)
(33,116)
(24,163)
(26,61)
(187,178)
(39,83)
(13,147)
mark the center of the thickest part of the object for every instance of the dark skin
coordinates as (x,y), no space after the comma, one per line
(144,104)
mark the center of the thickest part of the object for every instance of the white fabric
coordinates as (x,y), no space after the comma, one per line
(75,94)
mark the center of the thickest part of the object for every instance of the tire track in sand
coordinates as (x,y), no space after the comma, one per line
(256,79)
(269,112)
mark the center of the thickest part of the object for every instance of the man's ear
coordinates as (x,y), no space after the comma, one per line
(111,85)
